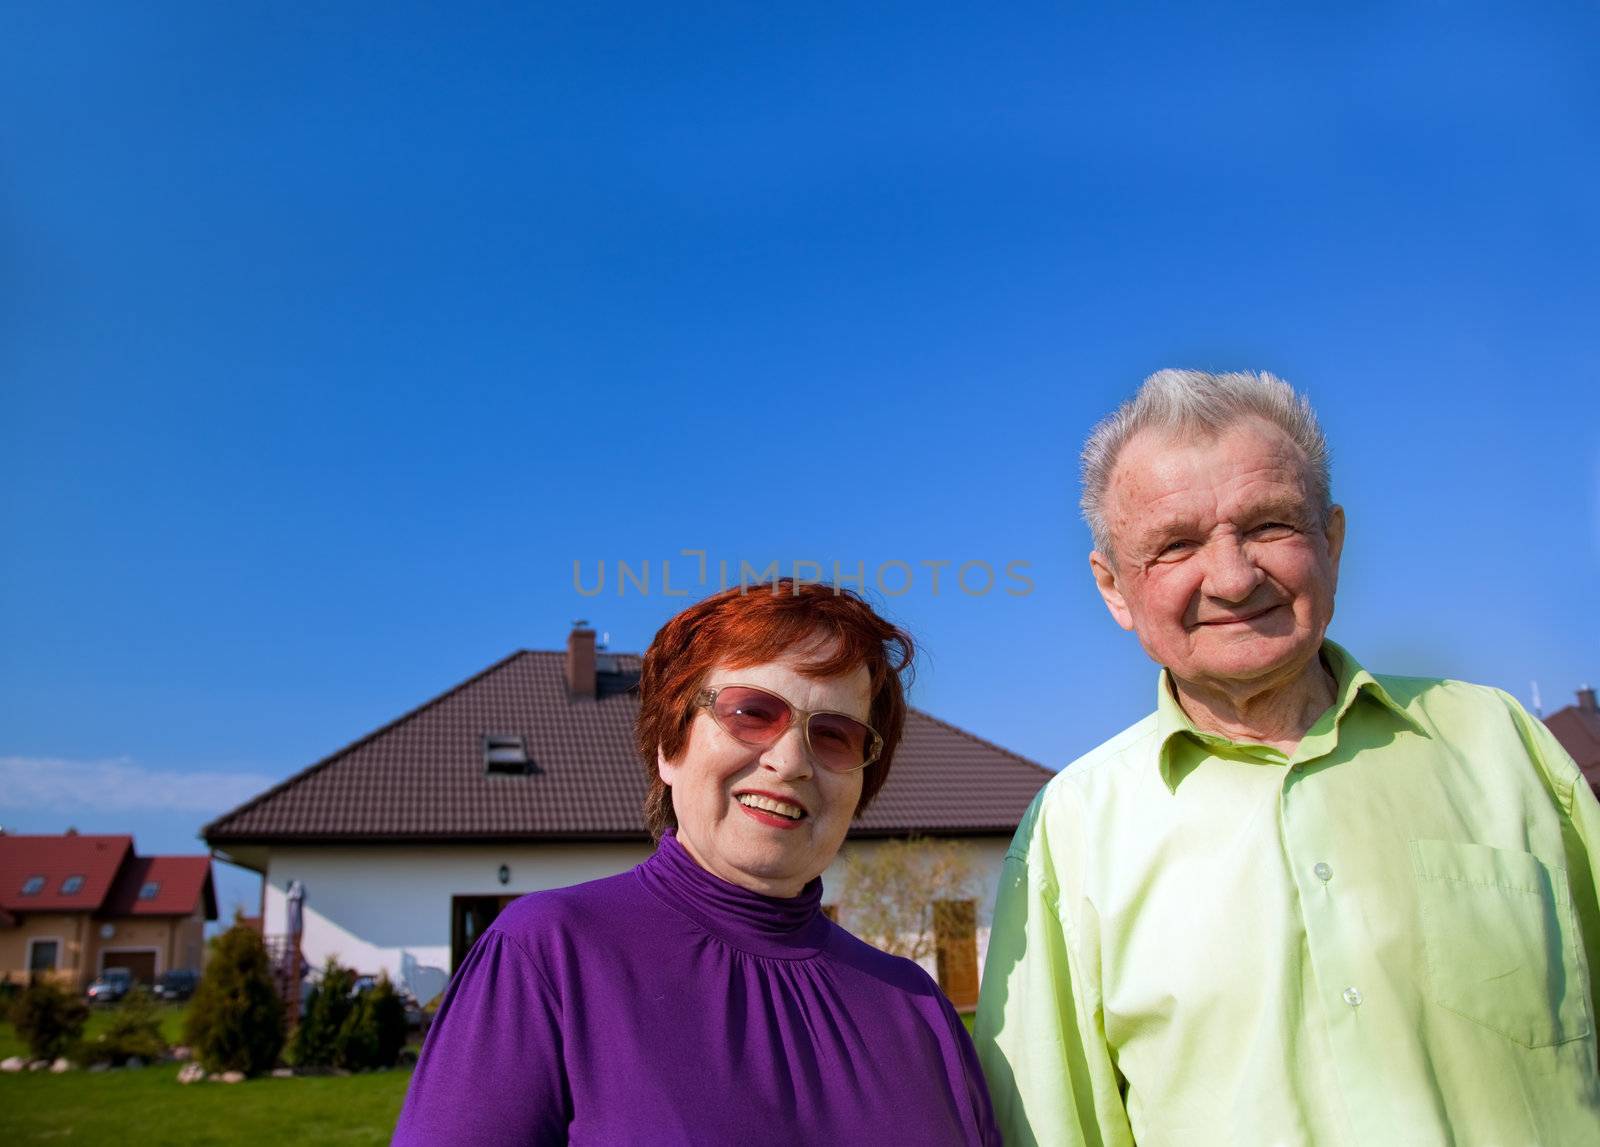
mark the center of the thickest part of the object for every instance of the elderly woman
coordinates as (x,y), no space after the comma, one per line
(703,997)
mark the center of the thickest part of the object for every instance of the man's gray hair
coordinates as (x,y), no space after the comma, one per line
(1194,402)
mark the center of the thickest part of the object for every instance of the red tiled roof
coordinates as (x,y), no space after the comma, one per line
(182,886)
(422,776)
(95,858)
(1578,730)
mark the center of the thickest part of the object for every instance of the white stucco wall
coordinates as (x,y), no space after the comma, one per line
(381,907)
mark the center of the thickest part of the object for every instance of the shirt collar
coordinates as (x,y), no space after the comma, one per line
(1352,682)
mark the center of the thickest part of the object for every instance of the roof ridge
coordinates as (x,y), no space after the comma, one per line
(332,757)
(985,742)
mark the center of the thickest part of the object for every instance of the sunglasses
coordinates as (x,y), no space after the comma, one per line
(758,718)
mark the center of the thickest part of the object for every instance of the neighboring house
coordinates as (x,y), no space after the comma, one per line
(408,842)
(73,905)
(1577,727)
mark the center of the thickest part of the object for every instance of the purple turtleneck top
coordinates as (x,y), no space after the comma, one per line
(666,1005)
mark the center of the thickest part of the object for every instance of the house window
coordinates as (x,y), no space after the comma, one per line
(506,754)
(71,884)
(33,886)
(150,890)
(42,955)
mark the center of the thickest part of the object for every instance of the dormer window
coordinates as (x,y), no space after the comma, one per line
(506,754)
(33,886)
(150,890)
(71,884)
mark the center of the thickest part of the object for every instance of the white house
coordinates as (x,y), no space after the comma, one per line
(409,841)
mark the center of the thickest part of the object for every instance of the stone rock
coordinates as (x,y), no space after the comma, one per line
(98,1067)
(38,1065)
(134,1061)
(230,1077)
(283,1073)
(181,1054)
(61,1065)
(13,1063)
(191,1073)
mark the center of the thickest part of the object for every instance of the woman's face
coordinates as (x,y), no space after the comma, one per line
(716,779)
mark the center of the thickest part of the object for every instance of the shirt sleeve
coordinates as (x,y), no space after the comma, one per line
(1041,1027)
(1580,833)
(491,1069)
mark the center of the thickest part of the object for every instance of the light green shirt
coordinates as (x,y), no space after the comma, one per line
(1385,938)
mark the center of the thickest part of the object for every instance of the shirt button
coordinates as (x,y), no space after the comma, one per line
(1324,871)
(1352,996)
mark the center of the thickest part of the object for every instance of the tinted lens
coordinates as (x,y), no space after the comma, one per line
(839,742)
(752,715)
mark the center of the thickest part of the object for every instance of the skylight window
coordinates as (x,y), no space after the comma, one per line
(150,890)
(33,886)
(71,884)
(506,754)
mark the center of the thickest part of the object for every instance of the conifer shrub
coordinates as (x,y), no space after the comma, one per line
(317,1039)
(134,1029)
(386,1012)
(348,1026)
(235,1021)
(48,1018)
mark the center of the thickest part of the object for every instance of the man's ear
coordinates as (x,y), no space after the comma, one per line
(1105,580)
(1334,533)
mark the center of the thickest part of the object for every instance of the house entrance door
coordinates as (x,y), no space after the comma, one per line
(469,916)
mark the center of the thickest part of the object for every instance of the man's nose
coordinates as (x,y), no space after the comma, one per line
(1230,574)
(787,756)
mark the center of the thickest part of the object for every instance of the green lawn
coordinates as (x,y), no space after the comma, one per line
(150,1107)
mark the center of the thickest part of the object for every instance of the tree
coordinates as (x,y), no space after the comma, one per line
(891,891)
(48,1018)
(235,1022)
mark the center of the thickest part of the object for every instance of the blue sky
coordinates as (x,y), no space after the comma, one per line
(330,341)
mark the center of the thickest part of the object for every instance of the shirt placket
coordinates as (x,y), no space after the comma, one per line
(1335,992)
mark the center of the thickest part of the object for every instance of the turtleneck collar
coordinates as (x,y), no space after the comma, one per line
(792,928)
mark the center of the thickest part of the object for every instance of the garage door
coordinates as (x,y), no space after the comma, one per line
(141,964)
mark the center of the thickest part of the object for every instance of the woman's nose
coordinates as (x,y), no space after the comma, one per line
(787,756)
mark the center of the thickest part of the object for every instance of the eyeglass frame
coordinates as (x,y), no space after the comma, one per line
(706,699)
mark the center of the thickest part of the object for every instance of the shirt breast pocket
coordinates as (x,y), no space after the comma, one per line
(1501,942)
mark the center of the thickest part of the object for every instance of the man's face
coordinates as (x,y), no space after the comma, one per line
(1223,565)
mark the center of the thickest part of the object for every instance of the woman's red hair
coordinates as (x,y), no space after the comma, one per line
(741,627)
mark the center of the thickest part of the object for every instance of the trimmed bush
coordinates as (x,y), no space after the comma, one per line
(134,1030)
(235,1021)
(48,1018)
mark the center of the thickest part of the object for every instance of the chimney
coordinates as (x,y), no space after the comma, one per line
(1586,699)
(580,661)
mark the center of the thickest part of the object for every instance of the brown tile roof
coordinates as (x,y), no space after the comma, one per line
(95,858)
(182,886)
(422,776)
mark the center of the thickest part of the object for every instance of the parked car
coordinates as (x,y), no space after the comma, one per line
(177,984)
(110,986)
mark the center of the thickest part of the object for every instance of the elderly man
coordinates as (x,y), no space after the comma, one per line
(1298,903)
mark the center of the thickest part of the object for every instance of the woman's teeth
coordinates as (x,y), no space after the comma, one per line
(767,804)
